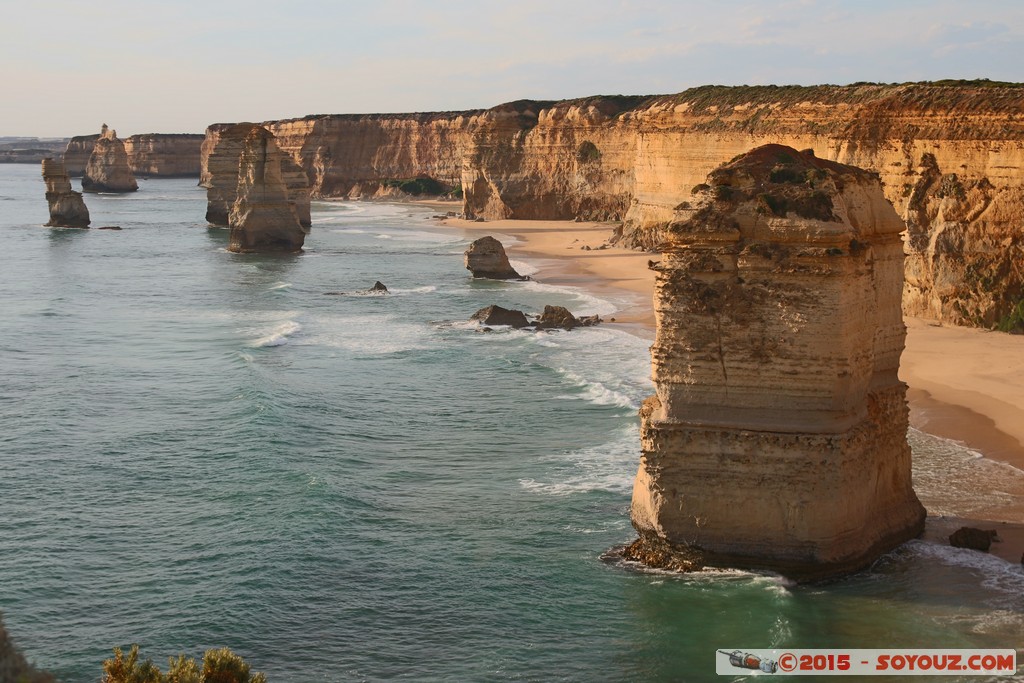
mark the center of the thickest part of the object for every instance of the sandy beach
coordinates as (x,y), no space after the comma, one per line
(964,384)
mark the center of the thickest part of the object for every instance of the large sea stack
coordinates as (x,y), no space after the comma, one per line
(108,169)
(263,218)
(67,208)
(221,150)
(777,437)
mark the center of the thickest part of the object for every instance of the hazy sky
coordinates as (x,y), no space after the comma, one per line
(178,65)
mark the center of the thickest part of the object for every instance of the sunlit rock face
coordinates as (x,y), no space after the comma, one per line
(263,217)
(777,436)
(221,149)
(67,208)
(108,169)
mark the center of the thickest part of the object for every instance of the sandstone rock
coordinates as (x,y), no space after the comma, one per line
(164,155)
(496,315)
(108,169)
(975,539)
(633,159)
(556,317)
(486,258)
(777,437)
(77,154)
(67,208)
(220,152)
(378,286)
(263,217)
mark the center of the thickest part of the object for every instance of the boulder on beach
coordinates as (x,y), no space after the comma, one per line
(496,315)
(486,258)
(972,538)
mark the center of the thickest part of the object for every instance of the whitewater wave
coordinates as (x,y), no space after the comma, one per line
(279,336)
(608,467)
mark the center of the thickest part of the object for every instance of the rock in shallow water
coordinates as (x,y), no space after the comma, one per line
(496,315)
(777,437)
(974,539)
(486,258)
(67,208)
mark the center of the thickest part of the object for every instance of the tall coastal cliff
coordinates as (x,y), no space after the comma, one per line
(160,155)
(950,158)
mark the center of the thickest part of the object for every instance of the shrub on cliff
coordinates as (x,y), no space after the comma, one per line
(14,668)
(588,152)
(219,666)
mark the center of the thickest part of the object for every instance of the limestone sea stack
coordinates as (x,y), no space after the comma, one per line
(67,208)
(108,169)
(777,437)
(221,149)
(486,258)
(263,218)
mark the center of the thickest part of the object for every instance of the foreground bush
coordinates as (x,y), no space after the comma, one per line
(219,666)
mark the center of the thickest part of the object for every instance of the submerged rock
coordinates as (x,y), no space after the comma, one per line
(975,539)
(263,218)
(107,169)
(777,437)
(67,208)
(496,315)
(486,258)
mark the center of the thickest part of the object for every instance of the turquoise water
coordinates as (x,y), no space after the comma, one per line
(204,449)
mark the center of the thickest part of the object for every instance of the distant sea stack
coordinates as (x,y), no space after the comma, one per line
(263,217)
(67,208)
(108,169)
(221,149)
(77,154)
(777,437)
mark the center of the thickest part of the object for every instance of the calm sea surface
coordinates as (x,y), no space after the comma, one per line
(203,449)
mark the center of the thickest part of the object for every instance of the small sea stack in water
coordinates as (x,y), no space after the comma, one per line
(108,169)
(777,438)
(263,218)
(486,258)
(67,208)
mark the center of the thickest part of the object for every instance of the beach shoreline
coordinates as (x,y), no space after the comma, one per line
(964,384)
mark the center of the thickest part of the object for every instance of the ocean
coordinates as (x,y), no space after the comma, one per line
(202,449)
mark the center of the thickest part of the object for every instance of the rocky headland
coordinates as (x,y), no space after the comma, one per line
(67,208)
(263,217)
(949,156)
(107,169)
(779,334)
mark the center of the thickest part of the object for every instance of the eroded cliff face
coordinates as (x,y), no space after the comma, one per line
(222,148)
(67,208)
(263,217)
(164,155)
(636,159)
(76,155)
(775,364)
(108,169)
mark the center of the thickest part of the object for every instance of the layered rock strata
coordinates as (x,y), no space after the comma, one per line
(164,155)
(777,436)
(67,208)
(158,155)
(263,217)
(635,159)
(222,149)
(77,153)
(486,258)
(108,169)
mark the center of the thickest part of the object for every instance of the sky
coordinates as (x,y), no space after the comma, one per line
(176,66)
